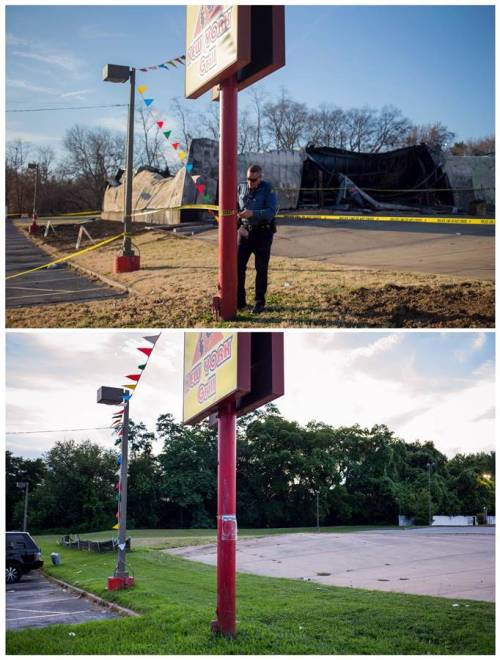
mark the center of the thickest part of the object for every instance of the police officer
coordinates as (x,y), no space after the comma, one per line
(257,208)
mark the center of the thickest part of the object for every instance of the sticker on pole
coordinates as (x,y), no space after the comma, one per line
(229,528)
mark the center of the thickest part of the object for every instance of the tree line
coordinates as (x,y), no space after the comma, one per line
(76,180)
(358,476)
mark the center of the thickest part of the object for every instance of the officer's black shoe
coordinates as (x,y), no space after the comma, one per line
(259,307)
(242,307)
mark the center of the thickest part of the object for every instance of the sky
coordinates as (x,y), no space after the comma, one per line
(436,386)
(434,63)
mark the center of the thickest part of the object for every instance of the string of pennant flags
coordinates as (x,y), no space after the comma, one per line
(163,126)
(117,423)
(164,65)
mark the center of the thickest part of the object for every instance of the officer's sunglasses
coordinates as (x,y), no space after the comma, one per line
(254,179)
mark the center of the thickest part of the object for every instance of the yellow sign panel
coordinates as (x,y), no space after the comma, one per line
(210,371)
(211,45)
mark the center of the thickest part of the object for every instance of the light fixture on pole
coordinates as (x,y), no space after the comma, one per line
(115,396)
(25,485)
(128,261)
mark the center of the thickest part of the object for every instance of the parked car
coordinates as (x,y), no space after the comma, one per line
(23,556)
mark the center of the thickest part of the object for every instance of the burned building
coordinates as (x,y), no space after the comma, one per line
(409,180)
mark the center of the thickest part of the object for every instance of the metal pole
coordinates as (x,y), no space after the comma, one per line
(430,505)
(228,180)
(121,566)
(25,520)
(127,218)
(225,623)
(34,193)
(317,511)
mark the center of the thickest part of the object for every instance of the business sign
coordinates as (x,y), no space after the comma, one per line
(217,45)
(216,367)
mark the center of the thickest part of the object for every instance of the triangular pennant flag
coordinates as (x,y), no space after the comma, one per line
(116,526)
(122,546)
(126,397)
(119,460)
(200,187)
(206,198)
(146,351)
(189,167)
(183,57)
(142,88)
(117,485)
(117,497)
(175,145)
(160,124)
(152,67)
(163,66)
(153,339)
(117,442)
(148,102)
(118,515)
(120,412)
(172,63)
(142,366)
(167,134)
(143,69)
(179,59)
(134,376)
(130,387)
(182,155)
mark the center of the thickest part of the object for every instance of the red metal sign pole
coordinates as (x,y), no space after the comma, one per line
(225,623)
(228,176)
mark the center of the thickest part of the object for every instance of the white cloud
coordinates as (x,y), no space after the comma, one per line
(59,59)
(29,87)
(479,341)
(79,94)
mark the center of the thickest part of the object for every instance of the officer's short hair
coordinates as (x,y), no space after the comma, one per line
(255,169)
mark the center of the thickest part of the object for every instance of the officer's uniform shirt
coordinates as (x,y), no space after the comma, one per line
(261,200)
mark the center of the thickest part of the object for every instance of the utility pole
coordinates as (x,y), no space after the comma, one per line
(429,466)
(25,485)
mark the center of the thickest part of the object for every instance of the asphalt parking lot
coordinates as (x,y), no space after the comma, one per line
(438,561)
(35,602)
(464,251)
(61,284)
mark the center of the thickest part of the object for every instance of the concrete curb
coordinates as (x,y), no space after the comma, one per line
(123,611)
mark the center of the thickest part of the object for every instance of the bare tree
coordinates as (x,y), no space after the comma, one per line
(17,181)
(327,127)
(285,123)
(360,124)
(434,135)
(208,123)
(258,97)
(185,120)
(389,129)
(92,155)
(151,143)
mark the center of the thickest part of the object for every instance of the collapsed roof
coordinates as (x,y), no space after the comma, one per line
(400,179)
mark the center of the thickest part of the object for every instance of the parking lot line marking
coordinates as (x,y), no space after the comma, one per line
(51,600)
(46,616)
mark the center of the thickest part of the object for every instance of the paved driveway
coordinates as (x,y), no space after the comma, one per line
(35,602)
(465,251)
(57,285)
(454,563)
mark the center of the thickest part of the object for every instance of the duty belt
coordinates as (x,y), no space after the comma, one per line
(251,227)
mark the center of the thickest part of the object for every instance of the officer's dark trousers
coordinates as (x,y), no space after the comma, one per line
(258,242)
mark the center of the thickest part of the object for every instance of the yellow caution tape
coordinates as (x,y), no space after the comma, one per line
(69,256)
(389,218)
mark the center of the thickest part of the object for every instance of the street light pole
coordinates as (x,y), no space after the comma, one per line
(317,510)
(121,566)
(34,193)
(127,219)
(25,485)
(128,261)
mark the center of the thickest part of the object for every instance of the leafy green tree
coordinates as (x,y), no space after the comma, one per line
(20,469)
(77,492)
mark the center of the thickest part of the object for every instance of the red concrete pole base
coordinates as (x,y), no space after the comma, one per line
(115,583)
(125,264)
